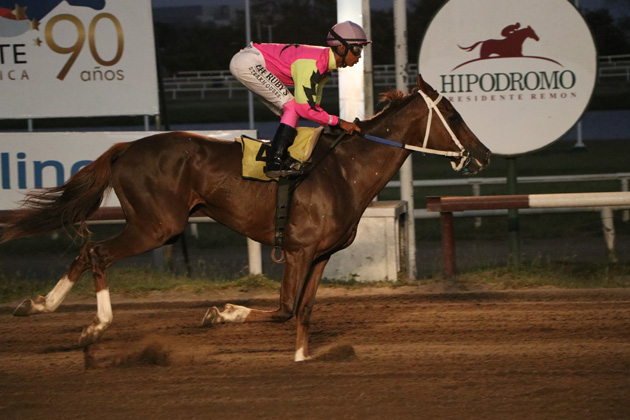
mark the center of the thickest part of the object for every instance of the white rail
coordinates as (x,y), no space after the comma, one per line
(476,183)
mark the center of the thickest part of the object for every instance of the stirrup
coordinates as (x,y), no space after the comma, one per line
(279,168)
(283,172)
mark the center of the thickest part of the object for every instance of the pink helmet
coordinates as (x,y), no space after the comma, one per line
(349,32)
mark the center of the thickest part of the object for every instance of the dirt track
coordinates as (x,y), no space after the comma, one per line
(509,355)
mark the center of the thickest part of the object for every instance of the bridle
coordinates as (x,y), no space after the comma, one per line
(463,155)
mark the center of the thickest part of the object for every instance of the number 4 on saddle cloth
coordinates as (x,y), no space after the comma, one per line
(255,151)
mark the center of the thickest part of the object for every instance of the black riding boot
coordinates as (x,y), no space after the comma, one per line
(279,163)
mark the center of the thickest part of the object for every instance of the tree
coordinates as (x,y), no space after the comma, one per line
(609,38)
(418,20)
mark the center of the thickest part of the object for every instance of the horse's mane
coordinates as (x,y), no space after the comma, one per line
(396,99)
(391,96)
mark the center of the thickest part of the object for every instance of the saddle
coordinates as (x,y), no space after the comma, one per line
(255,151)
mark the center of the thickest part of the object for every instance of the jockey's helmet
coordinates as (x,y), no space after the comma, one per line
(347,33)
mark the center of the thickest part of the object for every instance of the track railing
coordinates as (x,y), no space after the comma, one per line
(446,206)
(476,183)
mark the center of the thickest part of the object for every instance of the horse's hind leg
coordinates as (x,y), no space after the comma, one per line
(133,240)
(98,256)
(50,302)
(104,314)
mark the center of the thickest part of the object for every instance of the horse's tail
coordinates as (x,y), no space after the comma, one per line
(74,202)
(472,47)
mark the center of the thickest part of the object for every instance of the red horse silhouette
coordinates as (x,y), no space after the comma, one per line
(510,46)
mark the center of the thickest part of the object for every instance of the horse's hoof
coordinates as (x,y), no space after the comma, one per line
(301,356)
(212,316)
(25,308)
(87,337)
(92,333)
(31,306)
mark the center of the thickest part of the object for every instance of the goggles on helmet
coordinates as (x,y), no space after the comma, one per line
(353,48)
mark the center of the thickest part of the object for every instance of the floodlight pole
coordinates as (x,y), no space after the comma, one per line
(580,143)
(253,247)
(406,171)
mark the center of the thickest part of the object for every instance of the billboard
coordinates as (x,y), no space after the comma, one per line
(68,58)
(36,160)
(520,73)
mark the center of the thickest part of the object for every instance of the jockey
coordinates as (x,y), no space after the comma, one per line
(267,70)
(510,29)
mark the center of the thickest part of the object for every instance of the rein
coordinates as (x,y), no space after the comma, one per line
(286,187)
(463,154)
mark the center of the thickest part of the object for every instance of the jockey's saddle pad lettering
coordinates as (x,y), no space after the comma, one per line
(255,151)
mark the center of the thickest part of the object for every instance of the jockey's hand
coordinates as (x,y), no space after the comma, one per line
(348,127)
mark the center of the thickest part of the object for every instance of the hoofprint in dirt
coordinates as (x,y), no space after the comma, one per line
(543,354)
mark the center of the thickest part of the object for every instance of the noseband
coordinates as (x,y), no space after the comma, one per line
(463,155)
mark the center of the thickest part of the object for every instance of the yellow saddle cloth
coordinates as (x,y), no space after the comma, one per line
(255,151)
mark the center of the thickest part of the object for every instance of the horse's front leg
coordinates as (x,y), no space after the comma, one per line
(305,309)
(295,272)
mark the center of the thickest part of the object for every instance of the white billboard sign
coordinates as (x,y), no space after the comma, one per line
(67,58)
(521,73)
(36,160)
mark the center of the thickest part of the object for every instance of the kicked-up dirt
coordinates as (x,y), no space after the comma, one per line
(382,354)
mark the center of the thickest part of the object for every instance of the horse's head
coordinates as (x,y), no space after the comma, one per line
(530,33)
(446,131)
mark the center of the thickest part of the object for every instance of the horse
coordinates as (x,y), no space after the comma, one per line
(510,46)
(161,179)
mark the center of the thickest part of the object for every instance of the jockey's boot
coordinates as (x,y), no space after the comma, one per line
(279,162)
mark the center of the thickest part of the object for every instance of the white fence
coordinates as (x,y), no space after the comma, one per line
(614,66)
(199,83)
(476,183)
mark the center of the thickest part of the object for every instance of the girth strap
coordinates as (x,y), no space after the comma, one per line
(284,194)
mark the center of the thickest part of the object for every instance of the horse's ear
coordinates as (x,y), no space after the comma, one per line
(420,83)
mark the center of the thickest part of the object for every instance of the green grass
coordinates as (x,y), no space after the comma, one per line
(135,282)
(537,274)
(138,282)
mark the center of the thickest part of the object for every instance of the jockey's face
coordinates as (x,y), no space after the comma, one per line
(354,54)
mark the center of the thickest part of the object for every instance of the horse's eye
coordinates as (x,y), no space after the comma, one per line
(454,118)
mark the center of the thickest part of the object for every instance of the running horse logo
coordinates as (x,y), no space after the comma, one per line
(510,46)
(20,16)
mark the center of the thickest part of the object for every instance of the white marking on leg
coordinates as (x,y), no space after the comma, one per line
(104,305)
(231,313)
(58,294)
(234,313)
(52,300)
(300,356)
(104,317)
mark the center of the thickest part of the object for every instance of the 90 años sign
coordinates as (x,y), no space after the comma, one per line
(521,73)
(77,58)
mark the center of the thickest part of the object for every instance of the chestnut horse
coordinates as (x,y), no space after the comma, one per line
(160,180)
